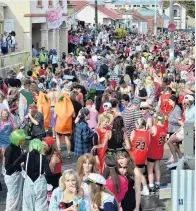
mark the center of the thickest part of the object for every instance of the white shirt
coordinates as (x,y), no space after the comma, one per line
(20,76)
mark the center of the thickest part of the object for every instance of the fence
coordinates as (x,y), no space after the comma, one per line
(13,61)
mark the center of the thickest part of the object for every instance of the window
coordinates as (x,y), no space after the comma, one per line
(163,11)
(134,5)
(175,13)
(50,3)
(39,3)
(138,5)
(61,2)
(153,5)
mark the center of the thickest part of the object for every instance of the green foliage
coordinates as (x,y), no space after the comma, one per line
(120,33)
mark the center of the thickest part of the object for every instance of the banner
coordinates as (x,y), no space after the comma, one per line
(54,18)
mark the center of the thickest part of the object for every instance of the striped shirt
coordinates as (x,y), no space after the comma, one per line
(130,117)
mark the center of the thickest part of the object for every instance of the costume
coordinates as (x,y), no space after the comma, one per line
(44,102)
(13,178)
(64,110)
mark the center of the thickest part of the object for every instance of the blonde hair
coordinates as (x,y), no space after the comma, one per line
(80,162)
(67,175)
(158,117)
(102,118)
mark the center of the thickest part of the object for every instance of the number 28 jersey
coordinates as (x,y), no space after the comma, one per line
(139,146)
(156,147)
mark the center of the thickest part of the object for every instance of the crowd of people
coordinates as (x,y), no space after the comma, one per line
(7,42)
(114,103)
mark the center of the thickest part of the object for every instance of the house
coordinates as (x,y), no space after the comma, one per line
(179,15)
(131,4)
(149,15)
(133,19)
(85,11)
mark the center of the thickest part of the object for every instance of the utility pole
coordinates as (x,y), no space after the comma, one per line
(155,18)
(96,20)
(171,52)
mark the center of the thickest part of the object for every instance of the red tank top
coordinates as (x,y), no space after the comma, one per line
(156,147)
(139,146)
(165,107)
(100,151)
(58,167)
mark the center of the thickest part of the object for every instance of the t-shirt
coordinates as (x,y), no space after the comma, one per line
(123,187)
(28,96)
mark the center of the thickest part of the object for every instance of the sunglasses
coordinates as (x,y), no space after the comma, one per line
(143,109)
(122,167)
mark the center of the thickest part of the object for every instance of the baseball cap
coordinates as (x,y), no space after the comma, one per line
(96,179)
(49,140)
(107,105)
(189,97)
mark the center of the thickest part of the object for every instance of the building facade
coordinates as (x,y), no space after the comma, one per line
(28,18)
(179,15)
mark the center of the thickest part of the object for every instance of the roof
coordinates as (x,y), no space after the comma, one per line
(130,2)
(147,12)
(110,13)
(135,15)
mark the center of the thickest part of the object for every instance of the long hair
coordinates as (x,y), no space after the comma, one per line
(117,129)
(110,171)
(67,175)
(102,118)
(130,166)
(81,160)
(96,194)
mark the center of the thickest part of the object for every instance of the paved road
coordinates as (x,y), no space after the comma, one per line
(149,203)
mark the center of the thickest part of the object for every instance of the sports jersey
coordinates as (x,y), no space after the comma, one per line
(165,107)
(156,147)
(139,146)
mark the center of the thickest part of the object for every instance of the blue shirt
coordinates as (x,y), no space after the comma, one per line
(190,114)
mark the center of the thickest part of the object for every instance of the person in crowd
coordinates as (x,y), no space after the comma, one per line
(3,102)
(130,114)
(115,183)
(83,134)
(101,198)
(3,87)
(6,128)
(178,135)
(53,95)
(55,160)
(68,196)
(21,74)
(93,121)
(100,139)
(146,115)
(140,140)
(64,112)
(37,122)
(86,164)
(13,177)
(155,151)
(25,99)
(127,168)
(174,115)
(35,185)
